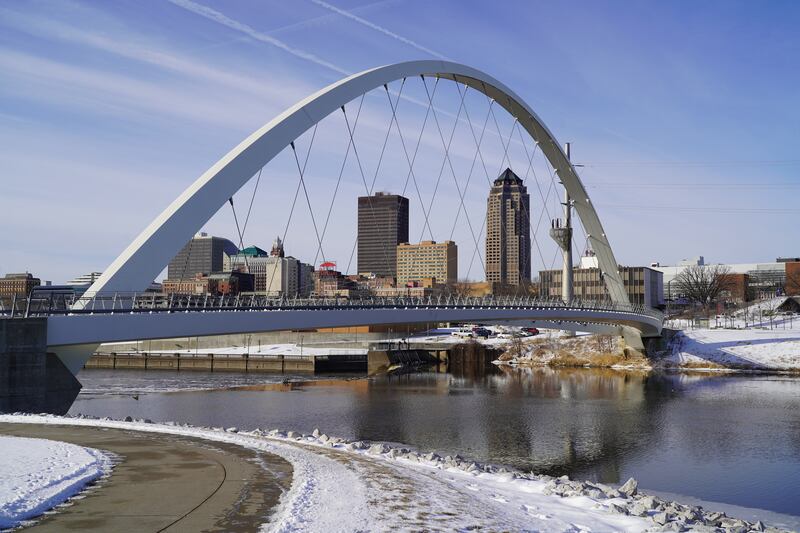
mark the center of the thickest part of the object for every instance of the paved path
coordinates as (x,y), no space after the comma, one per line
(168,483)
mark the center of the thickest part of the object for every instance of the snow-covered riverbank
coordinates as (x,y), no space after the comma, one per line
(348,486)
(734,349)
(38,474)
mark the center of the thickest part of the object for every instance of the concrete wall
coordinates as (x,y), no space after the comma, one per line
(32,380)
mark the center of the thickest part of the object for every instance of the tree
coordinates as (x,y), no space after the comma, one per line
(704,283)
(461,288)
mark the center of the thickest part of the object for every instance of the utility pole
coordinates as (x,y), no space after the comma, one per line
(567,291)
(562,234)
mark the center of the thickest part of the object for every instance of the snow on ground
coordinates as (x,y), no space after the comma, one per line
(763,349)
(38,474)
(340,486)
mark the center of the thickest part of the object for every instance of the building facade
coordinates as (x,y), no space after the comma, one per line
(508,235)
(274,273)
(85,279)
(204,254)
(217,284)
(330,283)
(428,259)
(19,285)
(644,285)
(793,278)
(382,225)
(763,280)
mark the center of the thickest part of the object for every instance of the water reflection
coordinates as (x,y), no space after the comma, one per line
(721,438)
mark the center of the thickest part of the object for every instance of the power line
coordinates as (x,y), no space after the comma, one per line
(692,163)
(705,209)
(696,185)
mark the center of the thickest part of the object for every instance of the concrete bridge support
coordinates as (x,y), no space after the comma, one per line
(32,379)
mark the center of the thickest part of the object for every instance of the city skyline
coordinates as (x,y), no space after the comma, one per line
(140,115)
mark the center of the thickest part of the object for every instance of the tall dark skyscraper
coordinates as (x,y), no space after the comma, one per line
(203,254)
(382,225)
(508,231)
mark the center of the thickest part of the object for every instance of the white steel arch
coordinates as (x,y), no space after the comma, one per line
(146,256)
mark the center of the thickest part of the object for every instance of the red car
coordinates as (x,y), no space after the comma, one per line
(531,331)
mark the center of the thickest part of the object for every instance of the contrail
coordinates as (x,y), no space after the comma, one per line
(380,29)
(218,17)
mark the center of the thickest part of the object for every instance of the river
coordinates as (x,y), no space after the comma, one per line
(728,439)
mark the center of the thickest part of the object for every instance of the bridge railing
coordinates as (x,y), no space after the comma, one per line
(150,302)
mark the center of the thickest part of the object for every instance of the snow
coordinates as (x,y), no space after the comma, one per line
(754,349)
(288,349)
(344,486)
(38,474)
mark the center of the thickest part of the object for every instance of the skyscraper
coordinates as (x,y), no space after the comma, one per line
(382,225)
(508,235)
(202,255)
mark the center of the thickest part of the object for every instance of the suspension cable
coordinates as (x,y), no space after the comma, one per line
(339,178)
(478,142)
(366,187)
(294,200)
(447,151)
(250,207)
(383,149)
(529,157)
(411,160)
(241,239)
(301,170)
(450,163)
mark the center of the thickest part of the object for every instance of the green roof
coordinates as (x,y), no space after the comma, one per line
(253,251)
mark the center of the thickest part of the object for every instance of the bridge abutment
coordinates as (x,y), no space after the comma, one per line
(32,379)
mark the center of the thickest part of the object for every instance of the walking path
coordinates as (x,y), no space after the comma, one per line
(167,483)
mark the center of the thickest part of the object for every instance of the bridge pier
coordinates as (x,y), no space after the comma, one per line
(31,378)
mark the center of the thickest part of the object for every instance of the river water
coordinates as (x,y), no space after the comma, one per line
(730,439)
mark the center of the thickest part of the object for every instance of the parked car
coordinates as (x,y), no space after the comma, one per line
(531,331)
(481,332)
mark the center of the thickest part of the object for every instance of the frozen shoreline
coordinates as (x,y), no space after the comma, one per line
(394,487)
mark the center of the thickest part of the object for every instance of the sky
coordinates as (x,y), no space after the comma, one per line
(685,117)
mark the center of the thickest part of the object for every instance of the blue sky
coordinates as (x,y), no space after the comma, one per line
(109,110)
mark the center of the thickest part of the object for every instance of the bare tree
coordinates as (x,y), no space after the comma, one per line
(459,288)
(704,283)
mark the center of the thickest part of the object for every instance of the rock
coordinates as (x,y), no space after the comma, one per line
(759,526)
(595,494)
(630,488)
(315,433)
(232,430)
(619,509)
(661,518)
(377,449)
(128,419)
(350,447)
(638,509)
(291,435)
(648,501)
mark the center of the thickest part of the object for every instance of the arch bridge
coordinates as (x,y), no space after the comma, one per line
(73,334)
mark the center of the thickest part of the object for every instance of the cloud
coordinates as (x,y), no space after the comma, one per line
(378,28)
(216,16)
(126,46)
